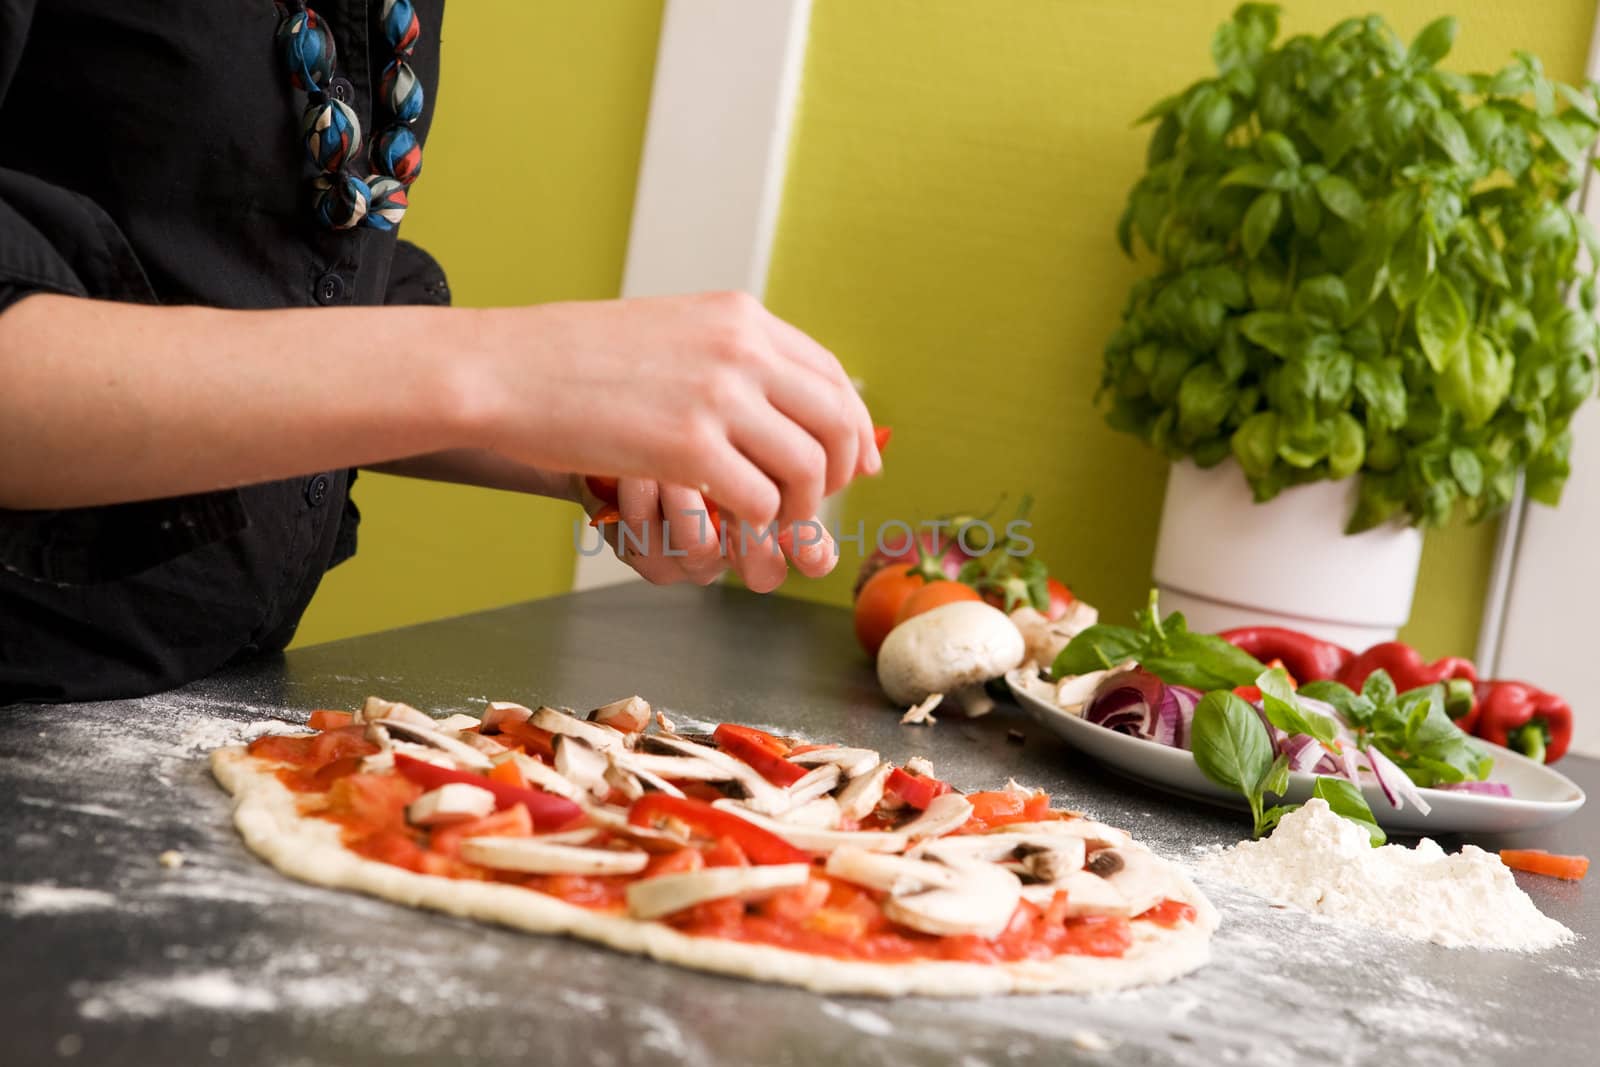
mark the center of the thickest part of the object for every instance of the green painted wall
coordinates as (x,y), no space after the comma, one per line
(947,229)
(526,197)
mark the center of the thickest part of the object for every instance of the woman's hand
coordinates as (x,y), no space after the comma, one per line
(667,534)
(709,391)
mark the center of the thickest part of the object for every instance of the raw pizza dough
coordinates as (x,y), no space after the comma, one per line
(309,849)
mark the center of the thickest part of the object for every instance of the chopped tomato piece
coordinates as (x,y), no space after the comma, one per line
(682,861)
(1169,913)
(726,853)
(1098,935)
(324,777)
(1538,861)
(1249,693)
(997,806)
(330,720)
(705,821)
(762,751)
(917,790)
(372,800)
(508,773)
(712,918)
(510,822)
(586,891)
(549,811)
(535,742)
(394,847)
(796,904)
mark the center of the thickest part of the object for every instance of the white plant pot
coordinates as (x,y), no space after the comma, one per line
(1225,561)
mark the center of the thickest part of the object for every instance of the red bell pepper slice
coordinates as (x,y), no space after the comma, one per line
(549,812)
(917,790)
(1538,861)
(713,824)
(763,752)
(880,436)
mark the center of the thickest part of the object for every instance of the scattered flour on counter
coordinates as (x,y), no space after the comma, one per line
(56,900)
(207,990)
(868,1022)
(1322,863)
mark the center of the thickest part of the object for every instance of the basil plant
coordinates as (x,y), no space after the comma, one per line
(1365,265)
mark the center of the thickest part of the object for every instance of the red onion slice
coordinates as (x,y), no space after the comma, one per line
(1397,786)
(1488,789)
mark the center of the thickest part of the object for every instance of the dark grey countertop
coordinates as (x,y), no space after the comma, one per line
(109,957)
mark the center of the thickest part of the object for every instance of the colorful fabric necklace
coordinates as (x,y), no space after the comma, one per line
(342,199)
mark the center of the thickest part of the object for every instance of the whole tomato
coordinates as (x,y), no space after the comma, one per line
(933,595)
(879,602)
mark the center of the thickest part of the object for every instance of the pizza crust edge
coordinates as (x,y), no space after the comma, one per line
(308,849)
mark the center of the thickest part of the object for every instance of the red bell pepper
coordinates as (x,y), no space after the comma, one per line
(1525,719)
(1307,658)
(763,752)
(762,846)
(917,790)
(549,811)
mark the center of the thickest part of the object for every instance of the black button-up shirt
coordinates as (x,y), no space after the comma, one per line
(150,151)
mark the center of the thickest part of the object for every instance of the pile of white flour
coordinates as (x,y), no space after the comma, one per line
(1322,863)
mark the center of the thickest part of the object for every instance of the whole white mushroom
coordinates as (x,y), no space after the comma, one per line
(952,650)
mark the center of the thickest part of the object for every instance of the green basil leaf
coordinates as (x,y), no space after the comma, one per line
(1280,333)
(1478,382)
(1226,663)
(1255,444)
(1380,689)
(1441,324)
(1268,820)
(1410,267)
(1341,197)
(1349,448)
(1098,648)
(1433,43)
(1355,709)
(1283,709)
(1446,131)
(1260,220)
(1346,801)
(1230,744)
(1467,470)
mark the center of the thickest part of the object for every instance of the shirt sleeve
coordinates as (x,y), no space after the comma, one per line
(59,241)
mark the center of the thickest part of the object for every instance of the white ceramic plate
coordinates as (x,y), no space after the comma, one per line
(1539,795)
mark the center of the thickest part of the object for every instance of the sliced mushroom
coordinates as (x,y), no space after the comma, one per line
(943,898)
(920,765)
(665,724)
(821,813)
(500,711)
(921,713)
(854,762)
(1142,878)
(465,755)
(582,764)
(616,821)
(623,782)
(1089,894)
(1073,693)
(761,794)
(456,722)
(629,715)
(680,768)
(483,743)
(374,708)
(622,767)
(949,811)
(818,782)
(1049,859)
(541,775)
(1065,854)
(559,722)
(861,796)
(534,855)
(1095,835)
(653,898)
(450,803)
(813,839)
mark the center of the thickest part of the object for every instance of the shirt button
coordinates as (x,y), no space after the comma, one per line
(341,90)
(317,490)
(330,288)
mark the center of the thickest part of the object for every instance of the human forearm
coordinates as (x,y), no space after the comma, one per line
(102,402)
(479,467)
